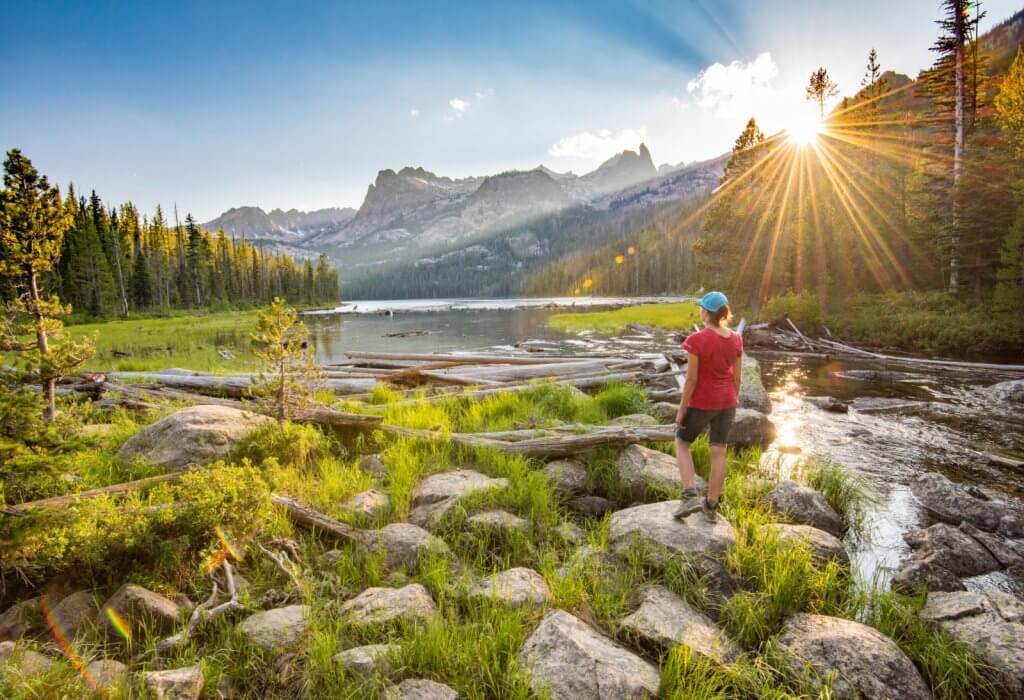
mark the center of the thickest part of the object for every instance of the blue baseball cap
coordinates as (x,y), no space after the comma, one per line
(713,302)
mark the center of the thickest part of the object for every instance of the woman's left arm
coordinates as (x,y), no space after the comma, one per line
(737,374)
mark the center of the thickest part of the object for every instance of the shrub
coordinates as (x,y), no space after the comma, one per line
(801,307)
(291,444)
(618,399)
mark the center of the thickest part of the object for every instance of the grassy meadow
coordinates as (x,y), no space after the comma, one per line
(667,316)
(166,538)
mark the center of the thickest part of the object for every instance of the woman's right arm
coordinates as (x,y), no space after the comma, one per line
(692,365)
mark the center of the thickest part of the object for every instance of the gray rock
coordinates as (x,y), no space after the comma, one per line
(952,503)
(665,412)
(1003,551)
(403,544)
(991,625)
(1011,391)
(573,661)
(367,661)
(594,506)
(516,587)
(914,573)
(751,428)
(642,469)
(828,403)
(654,526)
(571,532)
(665,619)
(497,521)
(193,435)
(25,661)
(805,506)
(438,493)
(824,546)
(1011,525)
(368,504)
(108,673)
(141,610)
(20,619)
(277,629)
(420,689)
(374,466)
(951,549)
(634,419)
(75,613)
(383,605)
(569,476)
(752,391)
(179,684)
(866,664)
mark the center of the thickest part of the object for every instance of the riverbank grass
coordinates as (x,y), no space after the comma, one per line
(665,316)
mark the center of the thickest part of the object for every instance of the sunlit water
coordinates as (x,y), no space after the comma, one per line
(895,430)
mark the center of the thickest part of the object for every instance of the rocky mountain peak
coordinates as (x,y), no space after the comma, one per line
(622,170)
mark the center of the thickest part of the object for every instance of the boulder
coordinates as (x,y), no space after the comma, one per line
(751,428)
(20,619)
(1005,552)
(752,391)
(438,493)
(594,506)
(1010,392)
(991,624)
(374,466)
(178,684)
(133,610)
(107,673)
(420,689)
(403,544)
(573,661)
(569,476)
(914,573)
(570,532)
(634,419)
(952,549)
(516,587)
(193,435)
(368,504)
(665,412)
(277,629)
(866,664)
(642,469)
(367,661)
(74,613)
(498,521)
(828,403)
(25,661)
(952,503)
(383,605)
(665,619)
(805,506)
(824,546)
(654,526)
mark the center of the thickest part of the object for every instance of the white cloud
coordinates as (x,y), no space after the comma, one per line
(598,146)
(414,112)
(735,88)
(484,94)
(458,105)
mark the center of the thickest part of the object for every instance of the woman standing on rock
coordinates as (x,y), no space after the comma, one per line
(710,396)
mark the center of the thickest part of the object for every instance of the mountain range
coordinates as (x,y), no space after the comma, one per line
(416,217)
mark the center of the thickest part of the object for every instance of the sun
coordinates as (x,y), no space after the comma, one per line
(804,126)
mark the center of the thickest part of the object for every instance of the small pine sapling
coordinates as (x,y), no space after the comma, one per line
(288,378)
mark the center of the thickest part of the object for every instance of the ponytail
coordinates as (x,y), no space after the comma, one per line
(720,317)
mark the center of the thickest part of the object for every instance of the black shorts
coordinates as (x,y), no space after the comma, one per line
(697,419)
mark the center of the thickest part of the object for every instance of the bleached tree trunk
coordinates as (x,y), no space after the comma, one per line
(958,153)
(49,383)
(115,239)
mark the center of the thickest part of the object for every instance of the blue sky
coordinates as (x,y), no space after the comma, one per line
(219,104)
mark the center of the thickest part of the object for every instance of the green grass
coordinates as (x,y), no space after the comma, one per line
(667,316)
(188,340)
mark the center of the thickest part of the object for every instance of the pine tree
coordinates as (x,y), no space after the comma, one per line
(873,81)
(1010,102)
(289,377)
(820,89)
(32,226)
(1009,294)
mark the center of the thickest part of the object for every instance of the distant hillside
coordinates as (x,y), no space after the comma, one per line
(276,225)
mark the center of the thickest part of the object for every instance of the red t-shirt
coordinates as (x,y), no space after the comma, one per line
(715,389)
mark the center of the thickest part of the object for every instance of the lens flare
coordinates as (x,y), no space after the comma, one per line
(804,126)
(60,636)
(619,259)
(631,250)
(587,284)
(119,624)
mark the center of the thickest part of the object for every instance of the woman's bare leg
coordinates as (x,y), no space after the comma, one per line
(717,479)
(684,460)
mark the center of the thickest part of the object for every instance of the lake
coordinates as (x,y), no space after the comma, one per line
(917,421)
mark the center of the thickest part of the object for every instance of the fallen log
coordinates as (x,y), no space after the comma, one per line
(304,516)
(231,386)
(460,359)
(112,490)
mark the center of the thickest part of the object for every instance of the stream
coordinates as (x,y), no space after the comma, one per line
(899,424)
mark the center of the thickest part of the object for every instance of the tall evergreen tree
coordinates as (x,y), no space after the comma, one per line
(820,89)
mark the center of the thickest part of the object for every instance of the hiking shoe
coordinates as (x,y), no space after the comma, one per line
(710,509)
(688,505)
